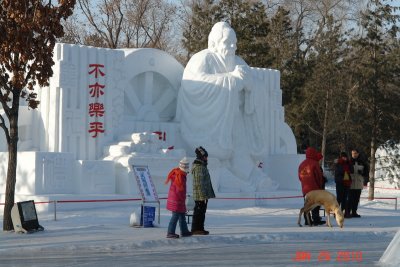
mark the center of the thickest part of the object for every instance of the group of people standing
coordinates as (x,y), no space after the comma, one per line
(351,174)
(202,191)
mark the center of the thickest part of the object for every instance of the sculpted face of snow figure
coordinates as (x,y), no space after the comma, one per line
(221,106)
(224,45)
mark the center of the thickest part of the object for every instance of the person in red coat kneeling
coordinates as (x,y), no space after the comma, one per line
(311,178)
(176,199)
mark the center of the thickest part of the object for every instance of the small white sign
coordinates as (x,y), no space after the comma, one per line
(145,183)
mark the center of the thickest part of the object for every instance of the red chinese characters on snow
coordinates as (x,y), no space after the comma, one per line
(96,92)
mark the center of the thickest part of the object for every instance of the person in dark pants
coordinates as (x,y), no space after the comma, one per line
(343,171)
(202,191)
(310,176)
(359,177)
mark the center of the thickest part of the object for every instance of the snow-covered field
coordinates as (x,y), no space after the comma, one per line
(241,234)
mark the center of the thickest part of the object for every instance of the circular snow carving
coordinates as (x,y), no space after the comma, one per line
(151,97)
(152,89)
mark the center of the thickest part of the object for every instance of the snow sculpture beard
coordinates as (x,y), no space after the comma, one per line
(229,60)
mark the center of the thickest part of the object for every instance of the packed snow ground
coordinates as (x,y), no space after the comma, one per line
(242,233)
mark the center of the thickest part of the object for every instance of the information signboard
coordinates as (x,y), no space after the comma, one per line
(147,191)
(145,183)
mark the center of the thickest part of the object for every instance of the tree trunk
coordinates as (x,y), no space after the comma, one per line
(11,172)
(346,123)
(325,126)
(372,160)
(372,168)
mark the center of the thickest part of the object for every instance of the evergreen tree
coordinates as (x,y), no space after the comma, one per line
(376,73)
(284,54)
(198,26)
(280,38)
(247,18)
(296,67)
(323,97)
(250,22)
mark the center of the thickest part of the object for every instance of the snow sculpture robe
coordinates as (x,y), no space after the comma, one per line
(216,113)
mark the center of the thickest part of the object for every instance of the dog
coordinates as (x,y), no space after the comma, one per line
(322,198)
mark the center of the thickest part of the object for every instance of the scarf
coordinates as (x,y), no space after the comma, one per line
(177,176)
(345,164)
(346,171)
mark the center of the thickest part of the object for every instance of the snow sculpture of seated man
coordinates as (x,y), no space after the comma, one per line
(221,106)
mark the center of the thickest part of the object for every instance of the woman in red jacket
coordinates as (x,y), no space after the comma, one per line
(176,199)
(311,178)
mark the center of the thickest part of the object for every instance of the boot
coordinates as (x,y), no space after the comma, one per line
(200,232)
(172,235)
(318,222)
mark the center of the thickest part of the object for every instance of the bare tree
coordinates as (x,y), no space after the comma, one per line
(122,23)
(149,22)
(106,19)
(74,32)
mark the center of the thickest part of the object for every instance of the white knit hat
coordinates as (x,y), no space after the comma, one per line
(184,165)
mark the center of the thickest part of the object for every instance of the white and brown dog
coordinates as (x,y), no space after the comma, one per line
(321,198)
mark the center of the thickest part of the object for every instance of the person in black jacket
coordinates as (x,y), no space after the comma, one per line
(202,191)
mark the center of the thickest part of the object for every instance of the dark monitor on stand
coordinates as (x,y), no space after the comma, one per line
(25,218)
